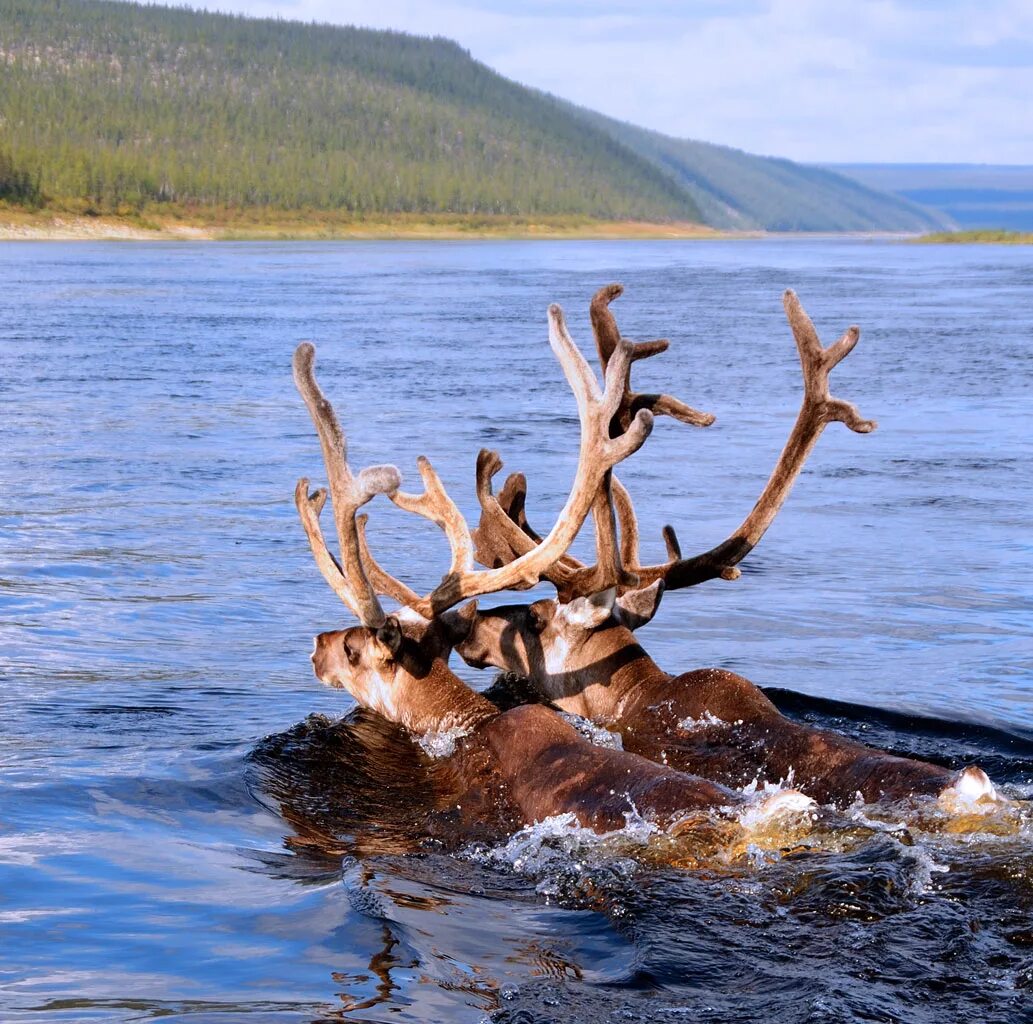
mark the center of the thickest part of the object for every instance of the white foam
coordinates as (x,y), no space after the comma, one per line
(595,734)
(771,805)
(559,850)
(704,720)
(442,742)
(857,813)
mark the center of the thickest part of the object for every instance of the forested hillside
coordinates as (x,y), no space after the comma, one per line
(734,189)
(114,107)
(122,104)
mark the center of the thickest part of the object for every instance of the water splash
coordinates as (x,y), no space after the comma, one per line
(595,734)
(971,793)
(705,721)
(924,865)
(441,743)
(762,787)
(564,855)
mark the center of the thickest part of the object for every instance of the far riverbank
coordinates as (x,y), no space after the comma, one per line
(18,224)
(981,237)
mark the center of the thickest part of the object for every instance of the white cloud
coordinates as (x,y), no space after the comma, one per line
(885,80)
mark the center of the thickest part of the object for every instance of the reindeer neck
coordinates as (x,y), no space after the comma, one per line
(612,668)
(439,701)
(634,680)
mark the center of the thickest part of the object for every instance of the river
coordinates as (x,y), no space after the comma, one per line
(161,855)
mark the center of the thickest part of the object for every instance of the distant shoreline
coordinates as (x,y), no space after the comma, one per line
(979,237)
(20,225)
(17,224)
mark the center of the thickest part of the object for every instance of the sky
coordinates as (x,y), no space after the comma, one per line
(867,81)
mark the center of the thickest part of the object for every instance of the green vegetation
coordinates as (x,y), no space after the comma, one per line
(119,107)
(995,237)
(17,185)
(734,189)
(116,109)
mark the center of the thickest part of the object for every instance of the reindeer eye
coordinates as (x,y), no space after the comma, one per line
(351,654)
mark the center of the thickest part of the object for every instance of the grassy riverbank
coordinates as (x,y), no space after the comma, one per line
(265,224)
(983,237)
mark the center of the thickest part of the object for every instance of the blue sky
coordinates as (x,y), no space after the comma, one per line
(813,80)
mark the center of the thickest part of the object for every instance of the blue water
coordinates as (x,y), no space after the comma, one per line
(157,603)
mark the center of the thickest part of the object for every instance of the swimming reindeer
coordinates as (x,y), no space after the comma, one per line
(579,650)
(529,758)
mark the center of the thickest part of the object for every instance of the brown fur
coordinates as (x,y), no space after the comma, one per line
(528,757)
(549,768)
(610,679)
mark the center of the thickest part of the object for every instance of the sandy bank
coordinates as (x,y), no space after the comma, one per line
(18,226)
(91,229)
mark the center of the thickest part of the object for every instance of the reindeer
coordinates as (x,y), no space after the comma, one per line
(579,651)
(527,758)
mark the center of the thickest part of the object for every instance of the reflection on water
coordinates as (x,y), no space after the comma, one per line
(158,857)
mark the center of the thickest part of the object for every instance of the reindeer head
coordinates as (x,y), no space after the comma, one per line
(398,664)
(361,661)
(551,641)
(384,668)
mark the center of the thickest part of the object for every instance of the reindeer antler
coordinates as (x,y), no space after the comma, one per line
(598,453)
(819,408)
(348,493)
(504,533)
(607,339)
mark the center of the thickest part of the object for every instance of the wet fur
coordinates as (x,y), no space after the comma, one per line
(527,758)
(606,676)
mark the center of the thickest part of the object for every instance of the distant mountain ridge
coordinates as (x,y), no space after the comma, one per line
(120,106)
(735,189)
(972,195)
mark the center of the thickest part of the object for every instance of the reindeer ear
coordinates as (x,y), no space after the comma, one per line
(637,607)
(458,623)
(389,635)
(591,612)
(539,614)
(353,654)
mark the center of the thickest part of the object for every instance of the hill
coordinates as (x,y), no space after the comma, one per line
(993,196)
(734,189)
(112,107)
(122,104)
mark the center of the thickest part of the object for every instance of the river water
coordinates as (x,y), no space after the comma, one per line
(177,841)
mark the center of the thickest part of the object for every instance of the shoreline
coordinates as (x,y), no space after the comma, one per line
(238,226)
(977,237)
(235,226)
(66,227)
